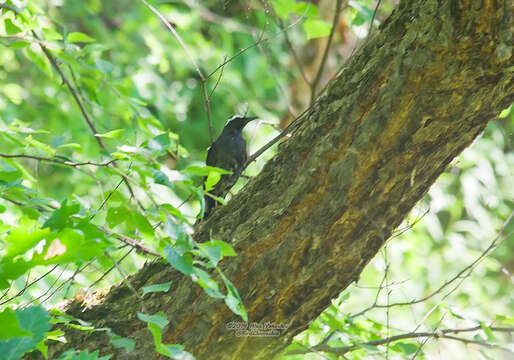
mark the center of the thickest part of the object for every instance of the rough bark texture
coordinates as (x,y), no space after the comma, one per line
(408,102)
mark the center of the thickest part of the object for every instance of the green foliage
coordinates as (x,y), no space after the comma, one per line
(22,331)
(156,323)
(59,317)
(82,355)
(156,288)
(313,26)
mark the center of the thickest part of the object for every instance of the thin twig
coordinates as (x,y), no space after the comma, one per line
(289,44)
(57,161)
(287,131)
(316,80)
(9,7)
(432,334)
(274,75)
(217,81)
(203,79)
(459,275)
(108,271)
(73,92)
(373,20)
(272,36)
(53,62)
(22,291)
(130,242)
(49,289)
(127,282)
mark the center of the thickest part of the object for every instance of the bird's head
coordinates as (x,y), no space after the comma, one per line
(239,122)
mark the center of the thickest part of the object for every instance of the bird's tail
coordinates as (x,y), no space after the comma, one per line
(209,205)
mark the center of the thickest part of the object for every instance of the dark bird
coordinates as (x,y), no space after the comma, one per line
(227,152)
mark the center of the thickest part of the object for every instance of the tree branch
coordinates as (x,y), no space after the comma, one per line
(412,335)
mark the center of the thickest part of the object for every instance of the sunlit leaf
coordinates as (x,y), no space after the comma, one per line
(74,37)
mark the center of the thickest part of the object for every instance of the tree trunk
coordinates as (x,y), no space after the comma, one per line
(409,101)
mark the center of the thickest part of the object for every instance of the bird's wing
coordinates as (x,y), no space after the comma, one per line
(211,155)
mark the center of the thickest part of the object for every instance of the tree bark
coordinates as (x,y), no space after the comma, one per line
(409,101)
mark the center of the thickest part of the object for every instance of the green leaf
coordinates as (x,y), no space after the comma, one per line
(10,326)
(73,354)
(505,112)
(164,287)
(159,319)
(159,142)
(9,172)
(405,348)
(121,342)
(207,283)
(236,306)
(51,34)
(35,321)
(60,218)
(363,14)
(205,170)
(11,270)
(18,44)
(157,339)
(182,263)
(113,134)
(74,37)
(212,179)
(285,7)
(23,238)
(56,335)
(211,251)
(141,223)
(316,28)
(117,215)
(70,245)
(226,248)
(11,28)
(40,61)
(370,348)
(160,178)
(177,352)
(167,178)
(39,145)
(104,66)
(233,300)
(489,333)
(172,210)
(504,319)
(306,9)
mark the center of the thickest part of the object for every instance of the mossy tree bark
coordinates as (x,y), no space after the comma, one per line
(407,103)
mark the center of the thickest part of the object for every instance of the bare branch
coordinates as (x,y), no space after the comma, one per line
(203,79)
(373,19)
(131,242)
(27,285)
(411,335)
(296,59)
(57,161)
(108,271)
(316,80)
(72,90)
(468,269)
(254,45)
(127,282)
(287,131)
